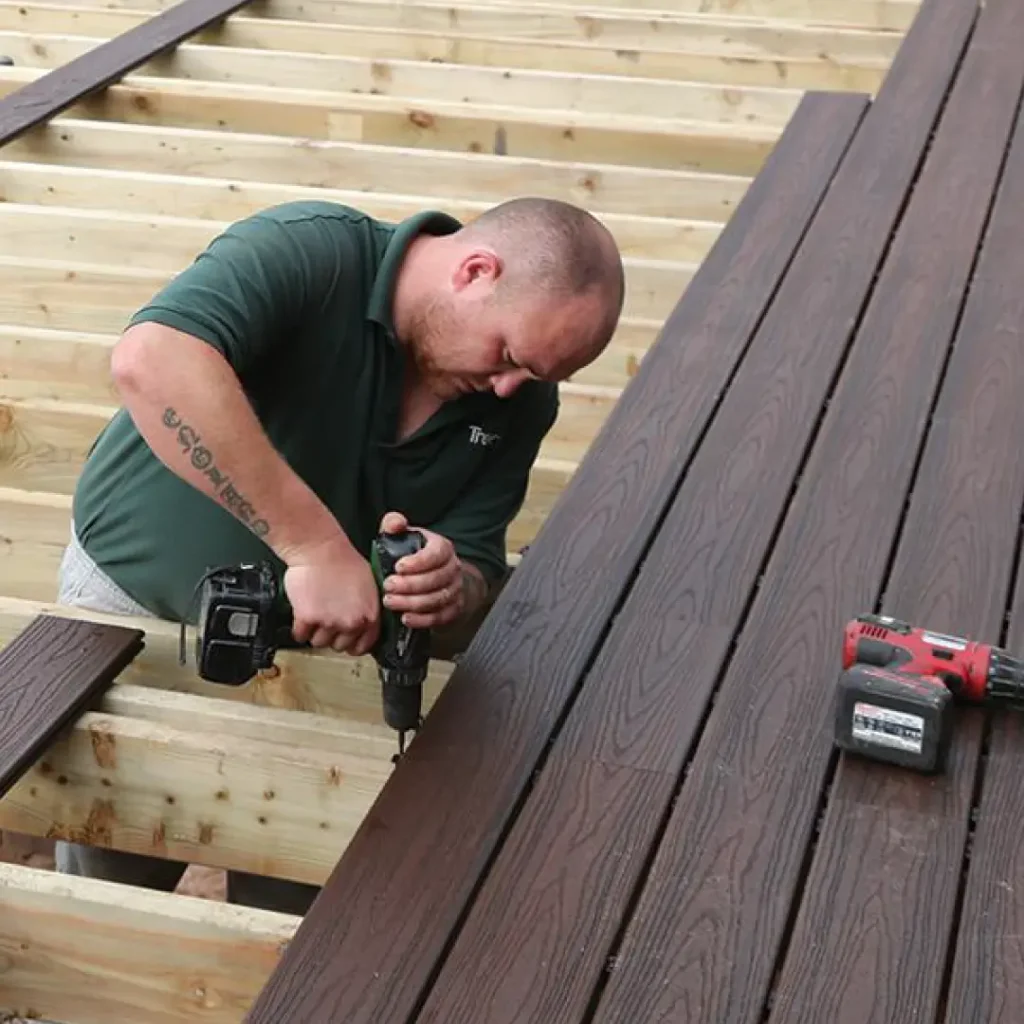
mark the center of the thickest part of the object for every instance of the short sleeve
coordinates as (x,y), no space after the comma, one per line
(477,524)
(253,284)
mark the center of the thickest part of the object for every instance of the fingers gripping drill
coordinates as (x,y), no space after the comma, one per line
(240,627)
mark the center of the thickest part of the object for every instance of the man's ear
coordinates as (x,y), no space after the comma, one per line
(477,266)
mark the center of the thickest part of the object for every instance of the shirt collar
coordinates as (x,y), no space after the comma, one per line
(431,222)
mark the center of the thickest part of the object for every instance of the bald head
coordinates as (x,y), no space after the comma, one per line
(532,288)
(553,248)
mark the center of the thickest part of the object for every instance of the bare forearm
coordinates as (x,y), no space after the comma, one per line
(475,591)
(190,407)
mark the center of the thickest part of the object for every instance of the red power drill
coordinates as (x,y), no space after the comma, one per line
(898,684)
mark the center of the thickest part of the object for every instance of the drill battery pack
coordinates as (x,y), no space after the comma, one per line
(899,718)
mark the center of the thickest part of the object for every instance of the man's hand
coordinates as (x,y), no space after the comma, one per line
(431,588)
(334,598)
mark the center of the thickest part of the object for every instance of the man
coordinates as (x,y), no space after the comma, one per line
(315,376)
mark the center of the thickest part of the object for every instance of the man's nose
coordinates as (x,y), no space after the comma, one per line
(506,384)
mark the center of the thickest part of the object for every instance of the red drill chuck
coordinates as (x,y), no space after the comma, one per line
(899,683)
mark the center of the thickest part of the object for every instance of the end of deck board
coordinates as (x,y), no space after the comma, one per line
(48,675)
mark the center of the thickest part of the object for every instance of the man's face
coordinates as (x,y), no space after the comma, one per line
(478,336)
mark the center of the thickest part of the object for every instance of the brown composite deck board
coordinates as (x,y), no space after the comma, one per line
(883,886)
(713,912)
(981,425)
(987,977)
(54,92)
(369,945)
(541,929)
(49,674)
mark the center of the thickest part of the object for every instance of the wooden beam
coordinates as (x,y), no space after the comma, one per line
(59,237)
(493,721)
(49,674)
(221,200)
(887,14)
(191,788)
(89,951)
(49,95)
(422,82)
(323,683)
(723,62)
(621,26)
(34,528)
(359,167)
(627,140)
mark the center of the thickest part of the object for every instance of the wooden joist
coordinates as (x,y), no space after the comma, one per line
(88,951)
(620,25)
(426,81)
(498,709)
(547,133)
(51,94)
(429,175)
(739,56)
(49,675)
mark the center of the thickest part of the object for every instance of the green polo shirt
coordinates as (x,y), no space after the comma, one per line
(298,299)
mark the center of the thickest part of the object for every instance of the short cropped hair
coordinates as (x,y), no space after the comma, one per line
(555,246)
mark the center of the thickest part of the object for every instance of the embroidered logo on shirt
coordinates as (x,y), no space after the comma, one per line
(477,435)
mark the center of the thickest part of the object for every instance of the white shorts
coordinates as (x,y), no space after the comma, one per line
(83,584)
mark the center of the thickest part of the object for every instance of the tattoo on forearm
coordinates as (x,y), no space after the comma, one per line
(202,459)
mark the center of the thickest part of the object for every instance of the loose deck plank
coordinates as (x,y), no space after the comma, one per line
(40,100)
(980,428)
(594,815)
(48,676)
(452,797)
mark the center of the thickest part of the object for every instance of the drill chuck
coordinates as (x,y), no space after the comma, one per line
(1005,679)
(402,653)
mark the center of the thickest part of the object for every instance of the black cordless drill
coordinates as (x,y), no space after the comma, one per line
(240,627)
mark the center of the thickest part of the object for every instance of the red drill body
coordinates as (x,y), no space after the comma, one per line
(961,665)
(899,681)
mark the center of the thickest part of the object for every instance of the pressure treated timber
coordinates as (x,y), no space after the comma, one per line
(67,237)
(547,133)
(47,208)
(189,787)
(48,675)
(621,27)
(63,87)
(247,158)
(612,773)
(725,62)
(427,81)
(339,965)
(96,952)
(953,572)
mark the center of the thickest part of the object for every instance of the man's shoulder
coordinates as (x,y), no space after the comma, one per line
(297,210)
(312,222)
